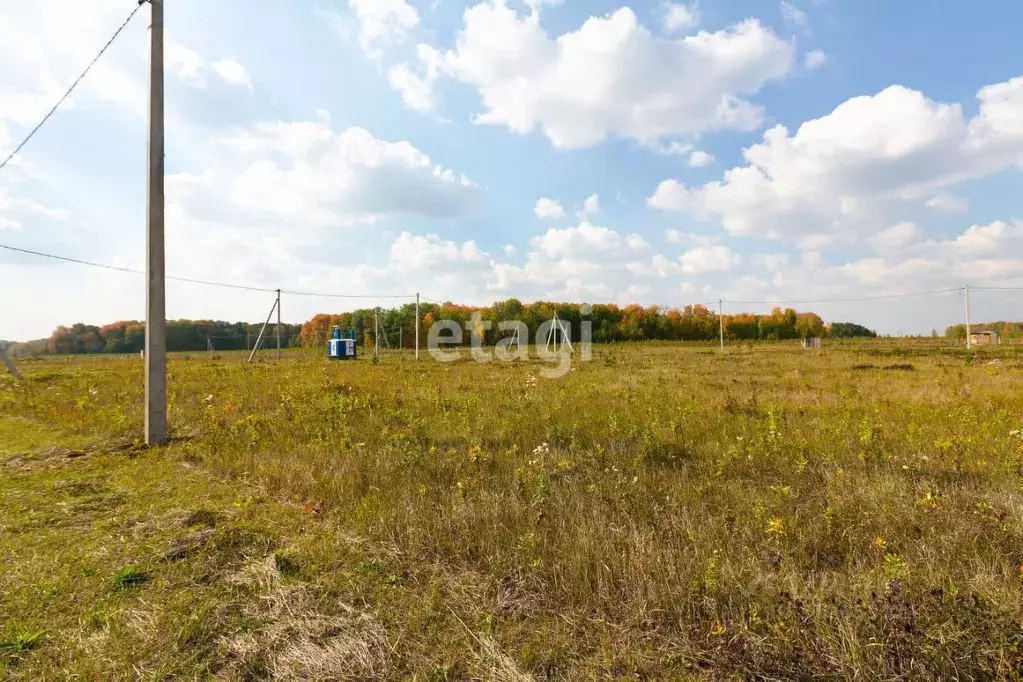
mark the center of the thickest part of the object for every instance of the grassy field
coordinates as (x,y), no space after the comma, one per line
(661,512)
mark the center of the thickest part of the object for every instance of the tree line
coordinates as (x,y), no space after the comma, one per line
(609,323)
(128,336)
(396,327)
(1007,331)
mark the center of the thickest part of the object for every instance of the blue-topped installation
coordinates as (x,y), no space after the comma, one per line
(339,348)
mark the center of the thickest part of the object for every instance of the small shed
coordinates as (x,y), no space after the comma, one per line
(984,338)
(812,343)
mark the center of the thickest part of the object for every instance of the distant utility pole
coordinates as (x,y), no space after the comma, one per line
(721,322)
(376,333)
(417,326)
(156,302)
(9,363)
(278,325)
(969,341)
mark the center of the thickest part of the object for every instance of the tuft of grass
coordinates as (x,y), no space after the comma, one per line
(21,641)
(130,577)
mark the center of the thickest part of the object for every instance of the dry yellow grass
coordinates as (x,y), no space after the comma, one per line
(661,511)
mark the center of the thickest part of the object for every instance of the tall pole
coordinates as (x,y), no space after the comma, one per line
(417,326)
(376,333)
(969,341)
(156,302)
(278,325)
(721,322)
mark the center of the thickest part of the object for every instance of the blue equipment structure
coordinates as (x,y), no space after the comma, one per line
(339,348)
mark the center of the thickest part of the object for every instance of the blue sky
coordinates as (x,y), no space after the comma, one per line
(652,152)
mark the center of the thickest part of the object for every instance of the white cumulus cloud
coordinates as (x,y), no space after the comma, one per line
(417,87)
(704,259)
(232,72)
(612,76)
(590,206)
(584,239)
(850,168)
(947,204)
(793,15)
(548,208)
(421,251)
(815,59)
(679,17)
(700,159)
(382,20)
(305,172)
(897,237)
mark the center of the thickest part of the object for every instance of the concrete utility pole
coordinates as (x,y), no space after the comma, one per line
(417,326)
(278,325)
(721,322)
(969,341)
(156,302)
(376,333)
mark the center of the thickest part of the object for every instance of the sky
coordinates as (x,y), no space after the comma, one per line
(750,151)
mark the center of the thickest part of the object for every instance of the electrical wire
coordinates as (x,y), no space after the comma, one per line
(319,295)
(78,80)
(848,300)
(290,292)
(132,271)
(192,280)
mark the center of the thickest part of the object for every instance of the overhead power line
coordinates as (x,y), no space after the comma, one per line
(78,80)
(289,292)
(321,295)
(848,300)
(192,280)
(117,268)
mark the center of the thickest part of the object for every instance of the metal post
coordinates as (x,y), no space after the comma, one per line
(721,322)
(278,325)
(969,341)
(156,302)
(417,326)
